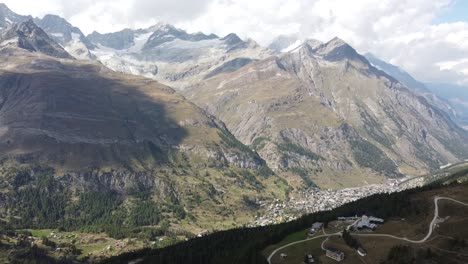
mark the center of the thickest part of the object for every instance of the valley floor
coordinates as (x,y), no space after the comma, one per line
(316,200)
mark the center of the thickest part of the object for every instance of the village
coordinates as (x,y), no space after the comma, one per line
(316,200)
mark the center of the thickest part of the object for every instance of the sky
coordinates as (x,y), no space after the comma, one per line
(428,38)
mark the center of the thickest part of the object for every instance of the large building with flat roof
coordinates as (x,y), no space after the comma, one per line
(368,222)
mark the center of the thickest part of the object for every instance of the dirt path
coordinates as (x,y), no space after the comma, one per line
(432,225)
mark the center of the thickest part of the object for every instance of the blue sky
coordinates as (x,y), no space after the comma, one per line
(456,12)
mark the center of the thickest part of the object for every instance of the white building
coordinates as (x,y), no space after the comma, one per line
(335,254)
(368,222)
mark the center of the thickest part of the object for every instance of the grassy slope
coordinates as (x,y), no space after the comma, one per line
(414,227)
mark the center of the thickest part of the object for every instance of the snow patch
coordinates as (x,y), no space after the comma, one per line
(75,37)
(293,46)
(59,35)
(9,41)
(139,42)
(77,48)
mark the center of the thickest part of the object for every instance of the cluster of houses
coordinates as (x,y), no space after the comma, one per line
(316,200)
(359,223)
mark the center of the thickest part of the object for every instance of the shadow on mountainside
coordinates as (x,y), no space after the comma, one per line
(75,117)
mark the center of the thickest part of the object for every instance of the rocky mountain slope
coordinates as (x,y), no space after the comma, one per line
(61,31)
(405,78)
(457,96)
(8,17)
(32,38)
(326,114)
(70,37)
(316,110)
(73,129)
(398,73)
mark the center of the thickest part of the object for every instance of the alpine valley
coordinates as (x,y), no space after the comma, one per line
(120,141)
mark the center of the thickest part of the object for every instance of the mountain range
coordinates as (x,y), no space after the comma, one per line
(74,128)
(199,125)
(325,113)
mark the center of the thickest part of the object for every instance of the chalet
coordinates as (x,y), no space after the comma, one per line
(315,228)
(283,255)
(335,254)
(309,259)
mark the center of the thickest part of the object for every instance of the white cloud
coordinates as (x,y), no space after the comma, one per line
(399,31)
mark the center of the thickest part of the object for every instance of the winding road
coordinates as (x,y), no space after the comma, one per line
(432,225)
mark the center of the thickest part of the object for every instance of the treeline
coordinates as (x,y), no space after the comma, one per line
(351,241)
(39,200)
(43,203)
(244,245)
(368,155)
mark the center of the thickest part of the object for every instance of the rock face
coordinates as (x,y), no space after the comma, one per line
(119,40)
(68,36)
(8,17)
(325,113)
(405,78)
(457,96)
(96,130)
(29,36)
(397,72)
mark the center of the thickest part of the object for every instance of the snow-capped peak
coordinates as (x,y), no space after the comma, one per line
(161,26)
